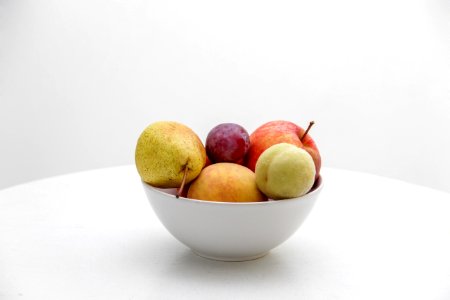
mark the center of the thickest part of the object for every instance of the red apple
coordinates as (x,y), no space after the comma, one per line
(276,132)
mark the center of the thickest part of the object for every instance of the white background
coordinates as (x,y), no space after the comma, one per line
(79,80)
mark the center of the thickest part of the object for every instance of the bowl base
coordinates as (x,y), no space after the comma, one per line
(230,259)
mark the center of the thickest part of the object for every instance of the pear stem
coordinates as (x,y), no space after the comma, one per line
(183,182)
(307,130)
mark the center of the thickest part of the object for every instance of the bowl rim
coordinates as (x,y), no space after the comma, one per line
(314,190)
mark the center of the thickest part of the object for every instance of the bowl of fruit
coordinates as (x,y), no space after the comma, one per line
(235,197)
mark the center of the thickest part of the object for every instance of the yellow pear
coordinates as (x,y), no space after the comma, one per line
(165,150)
(285,171)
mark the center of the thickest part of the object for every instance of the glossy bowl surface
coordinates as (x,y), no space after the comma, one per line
(230,231)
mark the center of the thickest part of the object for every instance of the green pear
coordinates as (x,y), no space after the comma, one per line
(166,152)
(285,171)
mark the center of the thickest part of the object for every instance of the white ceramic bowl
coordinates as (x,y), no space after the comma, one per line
(230,231)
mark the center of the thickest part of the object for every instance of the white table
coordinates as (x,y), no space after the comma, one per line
(93,235)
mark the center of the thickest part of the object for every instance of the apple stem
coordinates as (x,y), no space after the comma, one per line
(307,130)
(183,182)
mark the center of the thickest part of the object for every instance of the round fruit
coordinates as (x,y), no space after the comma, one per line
(276,132)
(227,142)
(226,182)
(285,171)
